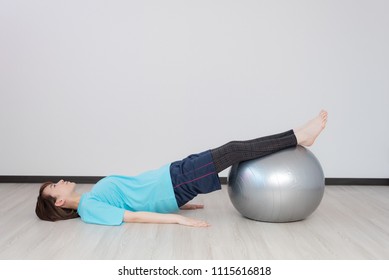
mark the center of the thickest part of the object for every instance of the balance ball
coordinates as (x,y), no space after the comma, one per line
(285,186)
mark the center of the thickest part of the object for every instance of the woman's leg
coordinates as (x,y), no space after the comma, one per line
(237,151)
(198,173)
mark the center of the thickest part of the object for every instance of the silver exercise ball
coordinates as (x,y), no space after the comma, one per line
(285,186)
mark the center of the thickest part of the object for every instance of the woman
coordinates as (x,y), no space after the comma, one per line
(152,196)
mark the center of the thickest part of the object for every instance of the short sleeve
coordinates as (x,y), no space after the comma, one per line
(97,212)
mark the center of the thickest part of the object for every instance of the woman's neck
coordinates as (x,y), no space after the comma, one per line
(73,201)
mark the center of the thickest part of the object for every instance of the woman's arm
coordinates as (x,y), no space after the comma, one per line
(157,218)
(191,206)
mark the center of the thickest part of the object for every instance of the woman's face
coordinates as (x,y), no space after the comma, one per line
(60,189)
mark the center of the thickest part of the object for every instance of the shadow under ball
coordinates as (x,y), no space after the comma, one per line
(285,186)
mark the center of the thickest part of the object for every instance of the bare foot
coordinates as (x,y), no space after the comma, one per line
(307,134)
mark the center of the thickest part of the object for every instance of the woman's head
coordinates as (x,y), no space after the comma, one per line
(51,200)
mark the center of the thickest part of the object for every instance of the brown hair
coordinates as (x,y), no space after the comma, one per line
(46,210)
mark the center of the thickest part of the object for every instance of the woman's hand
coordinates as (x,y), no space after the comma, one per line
(191,206)
(185,221)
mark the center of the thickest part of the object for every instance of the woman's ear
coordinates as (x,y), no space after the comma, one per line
(59,202)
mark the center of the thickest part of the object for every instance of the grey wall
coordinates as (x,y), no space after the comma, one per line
(99,87)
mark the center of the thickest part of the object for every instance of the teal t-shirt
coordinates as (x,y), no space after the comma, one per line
(151,191)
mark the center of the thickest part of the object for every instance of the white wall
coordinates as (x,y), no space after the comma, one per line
(91,88)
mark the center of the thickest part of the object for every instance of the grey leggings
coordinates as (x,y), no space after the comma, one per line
(237,151)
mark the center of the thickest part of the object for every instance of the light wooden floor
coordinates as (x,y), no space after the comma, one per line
(352,222)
